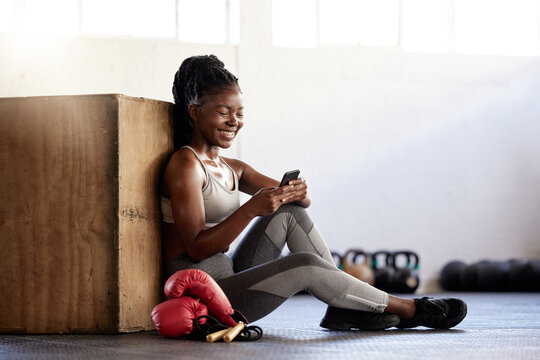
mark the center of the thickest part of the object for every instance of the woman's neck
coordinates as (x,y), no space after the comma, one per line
(211,152)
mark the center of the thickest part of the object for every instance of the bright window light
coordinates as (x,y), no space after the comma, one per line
(294,23)
(203,21)
(156,18)
(378,22)
(339,21)
(6,15)
(129,17)
(491,27)
(519,31)
(477,25)
(53,17)
(234,22)
(425,25)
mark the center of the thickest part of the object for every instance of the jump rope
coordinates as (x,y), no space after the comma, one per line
(213,330)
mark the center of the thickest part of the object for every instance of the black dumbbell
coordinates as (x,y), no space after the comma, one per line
(405,279)
(450,275)
(381,263)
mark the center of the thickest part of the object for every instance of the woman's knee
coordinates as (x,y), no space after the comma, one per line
(292,208)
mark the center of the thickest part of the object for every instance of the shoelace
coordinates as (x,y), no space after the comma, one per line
(250,333)
(431,308)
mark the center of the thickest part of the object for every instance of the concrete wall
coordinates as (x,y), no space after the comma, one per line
(437,153)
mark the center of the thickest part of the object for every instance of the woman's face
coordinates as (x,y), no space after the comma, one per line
(220,117)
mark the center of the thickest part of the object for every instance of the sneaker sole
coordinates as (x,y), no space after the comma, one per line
(347,327)
(382,322)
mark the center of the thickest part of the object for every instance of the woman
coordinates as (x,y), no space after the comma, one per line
(202,216)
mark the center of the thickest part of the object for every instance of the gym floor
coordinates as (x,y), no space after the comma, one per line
(498,326)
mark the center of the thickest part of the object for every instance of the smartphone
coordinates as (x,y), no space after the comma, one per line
(288,176)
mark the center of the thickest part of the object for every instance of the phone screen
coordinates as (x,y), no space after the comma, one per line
(288,176)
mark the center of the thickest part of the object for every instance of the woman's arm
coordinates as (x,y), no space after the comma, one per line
(251,181)
(184,178)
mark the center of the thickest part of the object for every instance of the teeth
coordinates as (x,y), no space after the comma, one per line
(227,132)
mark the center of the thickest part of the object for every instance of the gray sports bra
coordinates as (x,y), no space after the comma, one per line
(219,202)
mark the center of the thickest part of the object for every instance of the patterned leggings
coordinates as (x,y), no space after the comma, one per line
(256,280)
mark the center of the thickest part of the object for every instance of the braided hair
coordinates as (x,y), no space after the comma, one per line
(196,77)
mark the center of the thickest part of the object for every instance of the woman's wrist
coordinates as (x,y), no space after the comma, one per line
(247,211)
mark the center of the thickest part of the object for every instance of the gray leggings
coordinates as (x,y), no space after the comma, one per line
(256,280)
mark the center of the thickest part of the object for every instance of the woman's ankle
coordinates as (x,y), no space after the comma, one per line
(405,308)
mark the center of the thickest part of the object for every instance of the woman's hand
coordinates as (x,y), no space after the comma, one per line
(267,200)
(297,191)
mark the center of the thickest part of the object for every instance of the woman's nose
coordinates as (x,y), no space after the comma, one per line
(233,120)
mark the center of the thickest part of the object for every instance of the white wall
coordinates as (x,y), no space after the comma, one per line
(437,153)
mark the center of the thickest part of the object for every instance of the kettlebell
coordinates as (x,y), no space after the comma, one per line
(383,269)
(337,259)
(364,267)
(360,271)
(405,279)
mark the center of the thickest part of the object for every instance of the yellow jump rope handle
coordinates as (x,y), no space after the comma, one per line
(213,337)
(233,332)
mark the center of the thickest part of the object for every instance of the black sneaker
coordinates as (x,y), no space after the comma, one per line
(346,319)
(436,313)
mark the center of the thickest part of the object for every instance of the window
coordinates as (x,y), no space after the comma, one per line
(339,21)
(54,17)
(6,14)
(294,23)
(379,22)
(368,22)
(505,27)
(425,25)
(129,17)
(209,21)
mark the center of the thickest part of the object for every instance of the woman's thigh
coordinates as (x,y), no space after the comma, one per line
(218,266)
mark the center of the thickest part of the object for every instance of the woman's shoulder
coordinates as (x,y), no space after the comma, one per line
(182,164)
(183,158)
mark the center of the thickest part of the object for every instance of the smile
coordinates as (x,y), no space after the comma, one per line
(230,133)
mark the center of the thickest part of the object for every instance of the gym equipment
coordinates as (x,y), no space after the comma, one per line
(338,259)
(383,270)
(468,278)
(198,308)
(486,275)
(364,267)
(519,274)
(524,275)
(534,282)
(360,271)
(450,275)
(405,279)
(233,332)
(493,276)
(195,282)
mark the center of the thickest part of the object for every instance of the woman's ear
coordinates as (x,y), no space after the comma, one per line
(194,111)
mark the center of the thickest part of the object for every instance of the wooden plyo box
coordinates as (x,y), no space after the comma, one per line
(79,218)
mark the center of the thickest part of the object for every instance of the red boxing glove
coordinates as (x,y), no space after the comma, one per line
(197,283)
(174,318)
